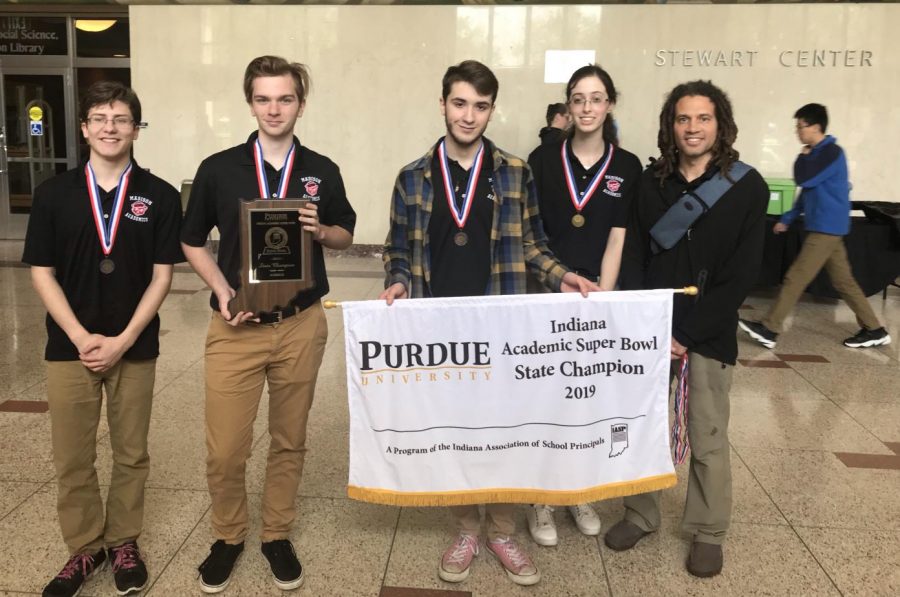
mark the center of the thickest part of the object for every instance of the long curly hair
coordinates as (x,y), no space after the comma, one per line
(723,152)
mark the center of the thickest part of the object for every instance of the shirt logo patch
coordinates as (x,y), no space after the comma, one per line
(613,185)
(311,186)
(139,207)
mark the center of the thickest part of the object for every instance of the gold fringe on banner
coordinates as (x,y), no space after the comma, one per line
(511,496)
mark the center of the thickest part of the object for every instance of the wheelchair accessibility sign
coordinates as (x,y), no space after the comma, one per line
(37,129)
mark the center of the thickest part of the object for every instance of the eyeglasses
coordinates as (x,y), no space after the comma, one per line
(803,126)
(596,100)
(97,121)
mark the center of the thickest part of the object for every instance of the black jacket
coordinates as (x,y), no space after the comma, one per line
(550,134)
(721,255)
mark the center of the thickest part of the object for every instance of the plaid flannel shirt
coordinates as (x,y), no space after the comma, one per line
(517,234)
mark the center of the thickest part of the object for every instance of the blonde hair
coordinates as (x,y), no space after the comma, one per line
(276,66)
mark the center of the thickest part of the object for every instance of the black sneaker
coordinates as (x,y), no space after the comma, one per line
(75,573)
(215,571)
(128,568)
(286,568)
(759,332)
(865,338)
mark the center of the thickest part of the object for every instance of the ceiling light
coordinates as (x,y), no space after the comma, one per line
(94,25)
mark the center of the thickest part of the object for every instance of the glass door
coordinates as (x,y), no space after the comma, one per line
(37,138)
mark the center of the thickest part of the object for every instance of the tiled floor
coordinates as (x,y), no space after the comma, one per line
(815,436)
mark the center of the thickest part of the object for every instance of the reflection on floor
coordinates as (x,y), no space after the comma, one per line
(815,436)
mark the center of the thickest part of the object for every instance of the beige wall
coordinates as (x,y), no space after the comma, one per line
(376,79)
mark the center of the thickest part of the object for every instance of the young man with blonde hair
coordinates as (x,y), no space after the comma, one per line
(245,351)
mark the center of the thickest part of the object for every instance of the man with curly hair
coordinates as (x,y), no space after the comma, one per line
(720,253)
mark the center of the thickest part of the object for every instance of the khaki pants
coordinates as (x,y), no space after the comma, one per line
(500,519)
(818,251)
(707,510)
(74,394)
(239,360)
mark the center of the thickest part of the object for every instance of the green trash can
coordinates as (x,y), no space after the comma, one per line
(781,195)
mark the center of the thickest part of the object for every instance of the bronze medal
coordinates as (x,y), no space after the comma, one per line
(578,220)
(107,230)
(460,213)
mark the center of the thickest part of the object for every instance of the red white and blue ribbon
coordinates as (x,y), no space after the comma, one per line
(460,213)
(579,200)
(263,181)
(107,230)
(680,442)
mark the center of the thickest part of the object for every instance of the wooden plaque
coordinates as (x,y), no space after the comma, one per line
(276,255)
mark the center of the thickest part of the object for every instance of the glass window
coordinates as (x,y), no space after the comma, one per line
(35,117)
(102,38)
(33,36)
(24,177)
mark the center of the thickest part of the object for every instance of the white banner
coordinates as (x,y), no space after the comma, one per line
(546,398)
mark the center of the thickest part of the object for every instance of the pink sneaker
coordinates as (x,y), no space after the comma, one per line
(457,559)
(518,565)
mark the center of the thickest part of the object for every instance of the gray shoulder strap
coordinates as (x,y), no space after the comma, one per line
(678,219)
(713,189)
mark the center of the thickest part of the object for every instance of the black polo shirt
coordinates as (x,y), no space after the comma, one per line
(62,235)
(225,178)
(461,270)
(581,249)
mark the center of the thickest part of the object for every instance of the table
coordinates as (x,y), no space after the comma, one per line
(873,249)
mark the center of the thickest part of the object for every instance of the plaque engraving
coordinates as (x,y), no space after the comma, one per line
(276,256)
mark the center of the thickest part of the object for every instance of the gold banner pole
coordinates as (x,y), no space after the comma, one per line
(688,290)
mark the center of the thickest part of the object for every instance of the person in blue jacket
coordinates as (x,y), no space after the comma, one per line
(821,172)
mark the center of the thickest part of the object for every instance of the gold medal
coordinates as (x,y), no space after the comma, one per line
(461,239)
(107,266)
(580,199)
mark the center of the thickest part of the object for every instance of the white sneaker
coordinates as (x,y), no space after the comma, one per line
(586,519)
(541,525)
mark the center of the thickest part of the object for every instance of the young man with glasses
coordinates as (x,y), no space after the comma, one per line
(102,240)
(465,222)
(820,170)
(245,351)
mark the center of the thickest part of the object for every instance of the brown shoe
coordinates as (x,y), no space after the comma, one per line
(705,559)
(624,535)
